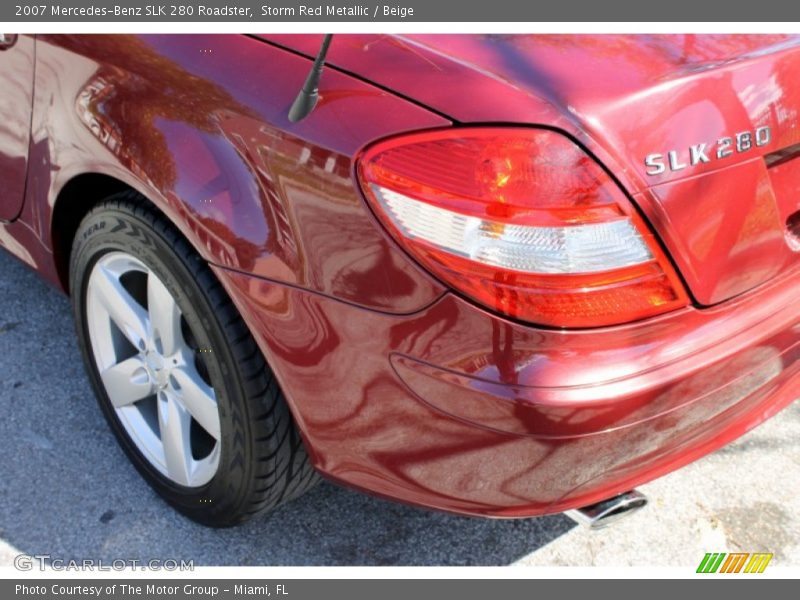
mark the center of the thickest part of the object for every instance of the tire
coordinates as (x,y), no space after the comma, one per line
(217,471)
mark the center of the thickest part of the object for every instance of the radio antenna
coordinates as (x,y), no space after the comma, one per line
(307,98)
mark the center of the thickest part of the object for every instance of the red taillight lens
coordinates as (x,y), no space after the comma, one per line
(522,221)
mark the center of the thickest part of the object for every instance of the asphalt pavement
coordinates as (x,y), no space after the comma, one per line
(67,490)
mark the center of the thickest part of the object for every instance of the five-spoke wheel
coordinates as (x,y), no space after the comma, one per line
(154,376)
(177,373)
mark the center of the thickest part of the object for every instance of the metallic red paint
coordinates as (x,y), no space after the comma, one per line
(454,408)
(213,149)
(16,83)
(625,97)
(399,387)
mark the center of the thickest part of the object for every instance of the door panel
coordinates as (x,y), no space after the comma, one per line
(16,95)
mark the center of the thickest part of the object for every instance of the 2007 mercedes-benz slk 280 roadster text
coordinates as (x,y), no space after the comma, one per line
(492,275)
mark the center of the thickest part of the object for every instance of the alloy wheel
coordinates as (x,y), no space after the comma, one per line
(153,370)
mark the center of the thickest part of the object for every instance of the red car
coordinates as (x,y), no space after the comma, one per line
(492,275)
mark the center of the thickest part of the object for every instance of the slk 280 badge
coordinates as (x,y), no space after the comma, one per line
(674,160)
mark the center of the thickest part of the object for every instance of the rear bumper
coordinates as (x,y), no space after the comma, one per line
(457,409)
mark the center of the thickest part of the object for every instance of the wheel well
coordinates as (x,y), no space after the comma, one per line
(73,203)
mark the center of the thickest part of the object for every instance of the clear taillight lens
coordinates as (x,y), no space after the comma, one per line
(522,221)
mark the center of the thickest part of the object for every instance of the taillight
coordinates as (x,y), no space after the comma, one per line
(522,221)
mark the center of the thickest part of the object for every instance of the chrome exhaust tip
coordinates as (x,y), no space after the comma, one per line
(605,512)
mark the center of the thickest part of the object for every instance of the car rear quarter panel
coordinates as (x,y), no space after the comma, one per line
(198,125)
